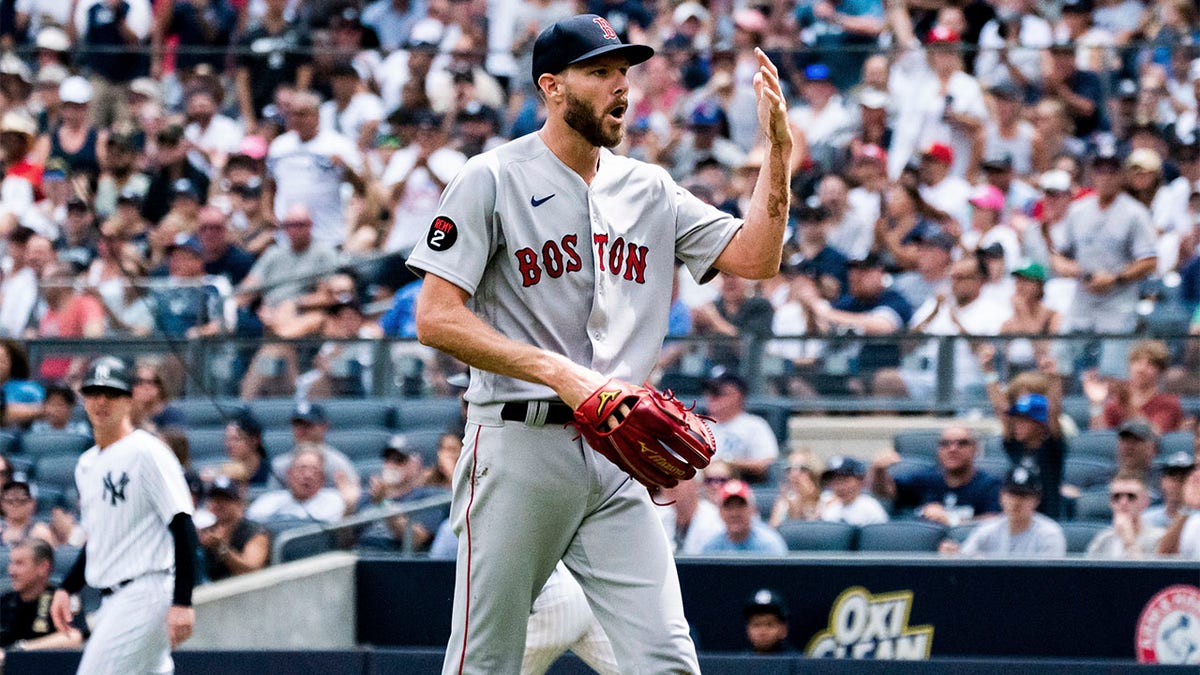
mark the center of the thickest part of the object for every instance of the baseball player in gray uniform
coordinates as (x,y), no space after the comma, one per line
(141,544)
(548,270)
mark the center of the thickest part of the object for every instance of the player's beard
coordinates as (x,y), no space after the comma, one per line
(583,118)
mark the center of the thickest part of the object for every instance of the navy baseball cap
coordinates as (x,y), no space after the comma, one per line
(843,466)
(580,38)
(306,411)
(766,601)
(1023,479)
(108,374)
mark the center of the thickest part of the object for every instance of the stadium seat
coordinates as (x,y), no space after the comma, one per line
(1080,534)
(993,445)
(1101,443)
(917,443)
(911,465)
(306,546)
(764,498)
(817,535)
(1093,505)
(1176,441)
(959,533)
(56,471)
(358,413)
(995,465)
(48,497)
(775,412)
(359,443)
(206,412)
(278,441)
(1078,408)
(428,413)
(9,442)
(1087,472)
(273,413)
(205,444)
(54,444)
(901,535)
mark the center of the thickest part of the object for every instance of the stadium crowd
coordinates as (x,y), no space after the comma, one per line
(260,169)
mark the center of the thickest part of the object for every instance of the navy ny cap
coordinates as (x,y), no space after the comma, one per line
(110,374)
(580,38)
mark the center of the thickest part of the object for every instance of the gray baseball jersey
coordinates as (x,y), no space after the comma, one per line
(581,270)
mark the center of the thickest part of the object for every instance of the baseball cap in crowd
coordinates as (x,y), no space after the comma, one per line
(932,234)
(307,411)
(1178,463)
(766,601)
(736,488)
(707,114)
(843,466)
(75,89)
(254,147)
(15,122)
(52,75)
(224,487)
(871,260)
(1062,45)
(714,383)
(186,243)
(1077,7)
(425,35)
(874,152)
(816,72)
(1144,159)
(171,135)
(185,188)
(147,87)
(988,197)
(940,35)
(397,449)
(1023,479)
(54,39)
(1031,406)
(1055,180)
(874,99)
(1139,428)
(107,373)
(997,162)
(1106,153)
(1032,271)
(580,38)
(690,10)
(1006,91)
(751,20)
(11,64)
(939,152)
(1127,89)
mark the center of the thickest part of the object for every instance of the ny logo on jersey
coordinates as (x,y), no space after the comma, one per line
(114,491)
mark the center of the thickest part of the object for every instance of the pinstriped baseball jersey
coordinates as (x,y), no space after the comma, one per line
(128,493)
(581,270)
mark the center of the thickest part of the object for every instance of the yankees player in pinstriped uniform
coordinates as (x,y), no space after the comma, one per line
(141,544)
(548,270)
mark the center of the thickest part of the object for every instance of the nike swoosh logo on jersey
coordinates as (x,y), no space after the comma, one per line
(535,202)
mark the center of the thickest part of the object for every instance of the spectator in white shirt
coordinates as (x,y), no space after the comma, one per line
(213,136)
(744,440)
(305,496)
(353,112)
(1129,536)
(307,165)
(414,180)
(825,120)
(843,500)
(940,187)
(1010,45)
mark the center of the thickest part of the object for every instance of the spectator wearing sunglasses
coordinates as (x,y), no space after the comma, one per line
(1129,536)
(952,493)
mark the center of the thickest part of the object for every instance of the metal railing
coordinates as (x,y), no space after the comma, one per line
(319,537)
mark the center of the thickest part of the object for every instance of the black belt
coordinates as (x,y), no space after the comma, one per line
(105,592)
(531,412)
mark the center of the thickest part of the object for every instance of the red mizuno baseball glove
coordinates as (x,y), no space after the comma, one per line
(647,433)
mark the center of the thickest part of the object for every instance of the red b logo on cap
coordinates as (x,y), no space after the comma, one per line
(609,33)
